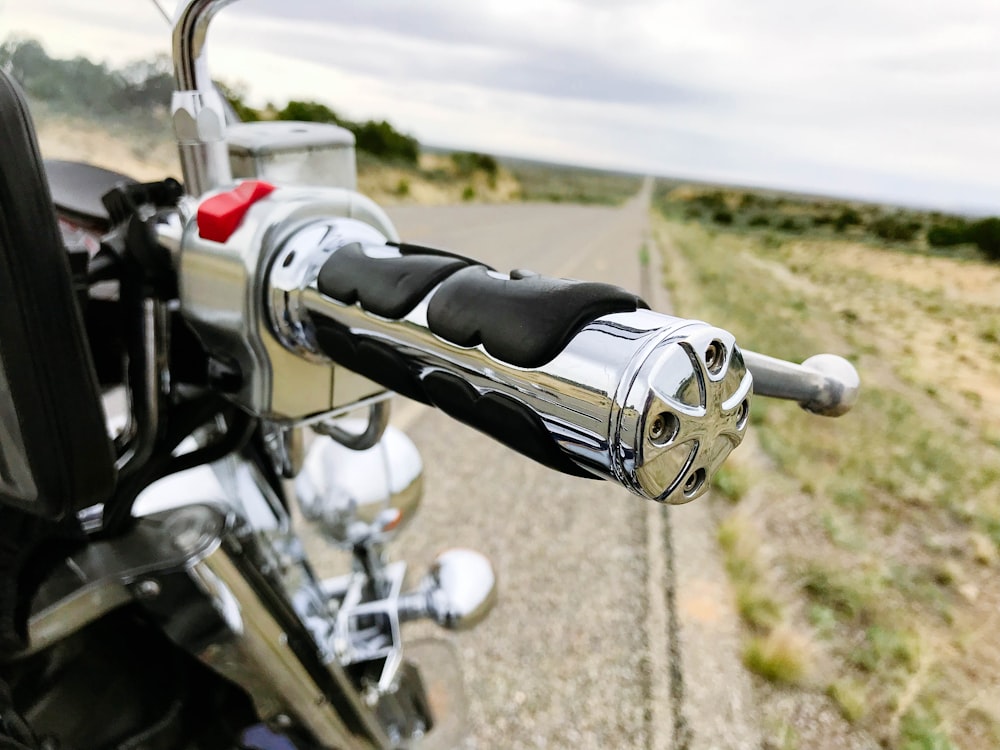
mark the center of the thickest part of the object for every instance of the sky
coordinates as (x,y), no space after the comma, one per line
(889,100)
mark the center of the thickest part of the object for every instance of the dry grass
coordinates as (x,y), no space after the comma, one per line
(783,655)
(886,544)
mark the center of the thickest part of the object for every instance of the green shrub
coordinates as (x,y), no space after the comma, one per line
(468,162)
(849,217)
(895,228)
(790,225)
(949,232)
(986,234)
(723,216)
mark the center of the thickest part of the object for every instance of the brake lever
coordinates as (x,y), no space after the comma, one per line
(824,384)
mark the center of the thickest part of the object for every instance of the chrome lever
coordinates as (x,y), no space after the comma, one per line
(824,384)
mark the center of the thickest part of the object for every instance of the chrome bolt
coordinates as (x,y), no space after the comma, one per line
(663,428)
(715,357)
(282,721)
(147,589)
(694,482)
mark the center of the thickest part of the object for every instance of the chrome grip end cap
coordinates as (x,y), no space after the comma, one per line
(685,410)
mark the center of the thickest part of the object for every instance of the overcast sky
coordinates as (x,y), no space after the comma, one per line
(895,100)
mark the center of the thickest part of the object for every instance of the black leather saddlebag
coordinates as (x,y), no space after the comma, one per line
(55,455)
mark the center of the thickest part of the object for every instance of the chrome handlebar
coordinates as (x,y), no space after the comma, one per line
(651,401)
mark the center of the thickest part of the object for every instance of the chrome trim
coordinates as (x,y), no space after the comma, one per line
(148,382)
(271,653)
(345,491)
(599,399)
(105,575)
(824,384)
(222,296)
(378,420)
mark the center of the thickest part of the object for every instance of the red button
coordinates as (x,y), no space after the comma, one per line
(220,215)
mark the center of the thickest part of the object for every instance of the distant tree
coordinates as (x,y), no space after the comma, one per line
(303,111)
(848,217)
(713,201)
(147,83)
(381,139)
(375,137)
(468,162)
(790,225)
(894,228)
(81,86)
(949,233)
(723,216)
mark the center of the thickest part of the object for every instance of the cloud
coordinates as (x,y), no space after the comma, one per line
(888,98)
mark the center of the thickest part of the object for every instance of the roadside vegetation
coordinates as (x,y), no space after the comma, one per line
(118,118)
(778,216)
(557,183)
(863,551)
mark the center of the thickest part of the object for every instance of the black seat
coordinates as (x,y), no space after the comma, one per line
(55,457)
(77,189)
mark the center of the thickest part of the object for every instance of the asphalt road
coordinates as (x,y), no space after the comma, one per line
(564,659)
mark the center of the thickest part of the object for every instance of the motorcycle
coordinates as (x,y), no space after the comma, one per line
(154,587)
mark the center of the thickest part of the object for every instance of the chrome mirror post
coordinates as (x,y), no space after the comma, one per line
(196,110)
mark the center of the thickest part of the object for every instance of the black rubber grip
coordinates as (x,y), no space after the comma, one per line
(525,320)
(389,287)
(503,418)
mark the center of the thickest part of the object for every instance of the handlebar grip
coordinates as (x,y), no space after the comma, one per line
(579,376)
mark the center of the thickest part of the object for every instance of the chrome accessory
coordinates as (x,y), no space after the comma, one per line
(345,491)
(221,290)
(651,401)
(458,593)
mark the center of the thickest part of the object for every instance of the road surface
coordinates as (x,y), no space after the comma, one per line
(562,660)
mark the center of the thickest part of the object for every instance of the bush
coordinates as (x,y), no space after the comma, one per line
(714,201)
(381,139)
(986,234)
(723,216)
(849,217)
(895,228)
(468,162)
(948,233)
(300,111)
(760,220)
(790,225)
